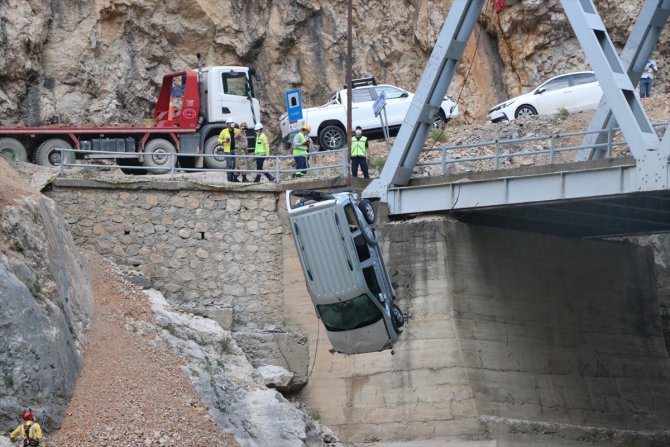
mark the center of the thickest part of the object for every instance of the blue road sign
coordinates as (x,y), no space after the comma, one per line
(294,105)
(379,103)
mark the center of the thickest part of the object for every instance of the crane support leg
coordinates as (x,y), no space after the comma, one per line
(641,42)
(429,95)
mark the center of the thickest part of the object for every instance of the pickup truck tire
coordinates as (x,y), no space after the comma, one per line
(331,138)
(398,318)
(368,210)
(47,155)
(130,162)
(440,120)
(158,156)
(12,149)
(212,146)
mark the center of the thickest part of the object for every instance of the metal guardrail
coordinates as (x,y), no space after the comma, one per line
(553,145)
(275,165)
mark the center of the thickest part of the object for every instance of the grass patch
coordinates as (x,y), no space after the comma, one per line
(563,113)
(314,414)
(438,135)
(9,382)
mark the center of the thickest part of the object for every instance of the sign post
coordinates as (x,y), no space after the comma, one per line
(379,106)
(294,107)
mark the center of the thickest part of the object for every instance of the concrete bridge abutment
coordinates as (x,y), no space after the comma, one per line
(512,338)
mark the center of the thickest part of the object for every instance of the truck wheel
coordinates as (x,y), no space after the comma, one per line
(47,155)
(213,147)
(368,210)
(130,162)
(331,138)
(12,149)
(158,156)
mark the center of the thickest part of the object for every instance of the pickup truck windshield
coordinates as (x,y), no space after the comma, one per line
(353,314)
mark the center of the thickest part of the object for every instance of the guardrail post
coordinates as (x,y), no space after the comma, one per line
(444,160)
(344,163)
(552,148)
(62,162)
(173,163)
(497,158)
(277,161)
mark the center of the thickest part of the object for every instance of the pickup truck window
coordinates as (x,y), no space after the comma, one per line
(361,95)
(391,92)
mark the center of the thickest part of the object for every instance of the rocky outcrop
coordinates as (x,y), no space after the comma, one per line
(46,301)
(234,391)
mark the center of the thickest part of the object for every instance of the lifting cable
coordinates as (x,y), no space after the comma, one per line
(316,349)
(465,80)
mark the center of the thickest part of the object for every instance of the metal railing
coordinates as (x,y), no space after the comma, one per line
(278,166)
(550,149)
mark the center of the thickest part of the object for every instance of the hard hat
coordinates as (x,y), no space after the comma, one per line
(258,126)
(28,415)
(307,127)
(230,121)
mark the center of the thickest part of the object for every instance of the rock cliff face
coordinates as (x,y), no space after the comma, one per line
(101,62)
(46,304)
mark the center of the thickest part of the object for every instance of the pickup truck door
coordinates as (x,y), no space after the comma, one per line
(397,103)
(362,113)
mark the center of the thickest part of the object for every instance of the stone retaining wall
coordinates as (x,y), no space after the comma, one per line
(200,248)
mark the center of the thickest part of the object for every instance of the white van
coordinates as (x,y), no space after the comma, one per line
(344,270)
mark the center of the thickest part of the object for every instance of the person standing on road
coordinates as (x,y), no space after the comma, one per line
(227,139)
(647,78)
(359,153)
(261,151)
(300,150)
(29,431)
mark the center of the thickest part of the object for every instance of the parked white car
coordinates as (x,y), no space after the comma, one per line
(573,92)
(329,121)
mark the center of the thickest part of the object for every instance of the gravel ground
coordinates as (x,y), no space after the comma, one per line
(130,394)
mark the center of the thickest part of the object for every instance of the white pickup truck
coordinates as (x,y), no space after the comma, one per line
(328,121)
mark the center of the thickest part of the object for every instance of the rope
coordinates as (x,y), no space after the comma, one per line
(465,80)
(316,349)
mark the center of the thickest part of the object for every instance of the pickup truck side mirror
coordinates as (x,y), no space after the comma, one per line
(258,77)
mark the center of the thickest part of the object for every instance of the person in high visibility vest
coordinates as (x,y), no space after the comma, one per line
(227,139)
(359,153)
(29,431)
(262,150)
(300,147)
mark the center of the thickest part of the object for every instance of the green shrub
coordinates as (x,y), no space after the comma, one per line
(563,112)
(438,135)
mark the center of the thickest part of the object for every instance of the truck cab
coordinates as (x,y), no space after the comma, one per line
(227,92)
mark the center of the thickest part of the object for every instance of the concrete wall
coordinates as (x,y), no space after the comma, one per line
(509,334)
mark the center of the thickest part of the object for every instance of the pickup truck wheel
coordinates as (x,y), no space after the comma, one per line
(332,137)
(440,120)
(12,149)
(398,318)
(130,162)
(368,210)
(212,147)
(158,156)
(47,155)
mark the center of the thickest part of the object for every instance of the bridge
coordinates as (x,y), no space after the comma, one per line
(597,195)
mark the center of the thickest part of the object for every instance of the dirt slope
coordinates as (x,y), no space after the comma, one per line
(128,393)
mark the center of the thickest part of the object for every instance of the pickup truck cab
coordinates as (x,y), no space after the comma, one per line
(329,120)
